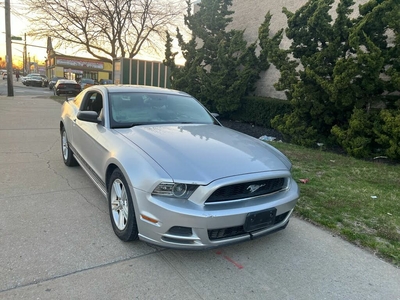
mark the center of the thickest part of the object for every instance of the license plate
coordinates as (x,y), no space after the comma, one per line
(259,219)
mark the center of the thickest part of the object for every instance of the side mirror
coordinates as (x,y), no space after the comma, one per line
(89,116)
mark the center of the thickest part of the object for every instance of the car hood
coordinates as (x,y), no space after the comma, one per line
(204,153)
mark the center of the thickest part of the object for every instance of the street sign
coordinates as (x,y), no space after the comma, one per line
(16,38)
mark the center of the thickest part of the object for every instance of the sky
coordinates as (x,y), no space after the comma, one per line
(18,28)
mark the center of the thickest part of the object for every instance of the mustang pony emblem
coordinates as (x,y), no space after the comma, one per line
(254,187)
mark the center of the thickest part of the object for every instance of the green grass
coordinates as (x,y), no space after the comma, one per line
(356,199)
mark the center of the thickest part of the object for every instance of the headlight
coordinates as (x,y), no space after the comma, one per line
(176,190)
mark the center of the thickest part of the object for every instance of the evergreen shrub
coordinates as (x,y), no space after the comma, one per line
(259,110)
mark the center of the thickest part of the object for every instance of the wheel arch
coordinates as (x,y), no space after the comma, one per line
(110,169)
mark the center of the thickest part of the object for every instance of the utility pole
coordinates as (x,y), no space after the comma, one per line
(25,62)
(23,56)
(10,88)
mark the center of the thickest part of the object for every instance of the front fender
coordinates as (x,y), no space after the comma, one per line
(139,169)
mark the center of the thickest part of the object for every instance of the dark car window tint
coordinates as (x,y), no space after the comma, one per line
(92,102)
(87,101)
(97,103)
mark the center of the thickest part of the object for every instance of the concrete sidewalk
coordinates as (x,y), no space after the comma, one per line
(57,241)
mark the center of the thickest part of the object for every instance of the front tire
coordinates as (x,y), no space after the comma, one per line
(67,154)
(122,212)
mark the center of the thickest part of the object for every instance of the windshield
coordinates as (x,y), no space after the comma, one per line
(85,80)
(130,109)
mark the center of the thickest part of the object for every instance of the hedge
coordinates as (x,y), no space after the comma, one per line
(259,110)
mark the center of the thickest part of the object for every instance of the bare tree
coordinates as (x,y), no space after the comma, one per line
(105,28)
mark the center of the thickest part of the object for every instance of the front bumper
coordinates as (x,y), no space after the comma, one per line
(182,224)
(35,83)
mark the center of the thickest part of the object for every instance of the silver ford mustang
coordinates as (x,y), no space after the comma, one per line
(172,175)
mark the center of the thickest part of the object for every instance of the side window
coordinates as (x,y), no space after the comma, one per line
(93,102)
(97,103)
(87,101)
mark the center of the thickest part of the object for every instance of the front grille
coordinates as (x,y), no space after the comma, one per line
(223,233)
(216,234)
(247,190)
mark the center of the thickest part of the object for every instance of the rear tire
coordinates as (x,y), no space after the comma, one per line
(122,212)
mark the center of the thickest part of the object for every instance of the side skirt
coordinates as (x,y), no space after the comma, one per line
(92,175)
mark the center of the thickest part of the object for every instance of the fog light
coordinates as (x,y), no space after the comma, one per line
(180,230)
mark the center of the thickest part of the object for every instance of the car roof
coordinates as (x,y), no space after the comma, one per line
(122,88)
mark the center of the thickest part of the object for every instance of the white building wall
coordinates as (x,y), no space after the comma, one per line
(250,14)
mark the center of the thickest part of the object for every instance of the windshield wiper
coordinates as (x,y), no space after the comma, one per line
(128,125)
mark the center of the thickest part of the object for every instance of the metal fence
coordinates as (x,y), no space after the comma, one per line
(141,72)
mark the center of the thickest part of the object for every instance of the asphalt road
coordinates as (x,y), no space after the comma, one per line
(57,242)
(21,90)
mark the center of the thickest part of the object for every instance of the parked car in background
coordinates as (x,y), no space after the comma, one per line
(172,174)
(53,81)
(105,81)
(26,78)
(45,80)
(66,87)
(86,82)
(34,80)
(4,76)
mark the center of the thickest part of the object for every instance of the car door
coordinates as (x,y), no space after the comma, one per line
(89,138)
(69,111)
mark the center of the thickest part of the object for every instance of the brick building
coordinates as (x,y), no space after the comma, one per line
(72,67)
